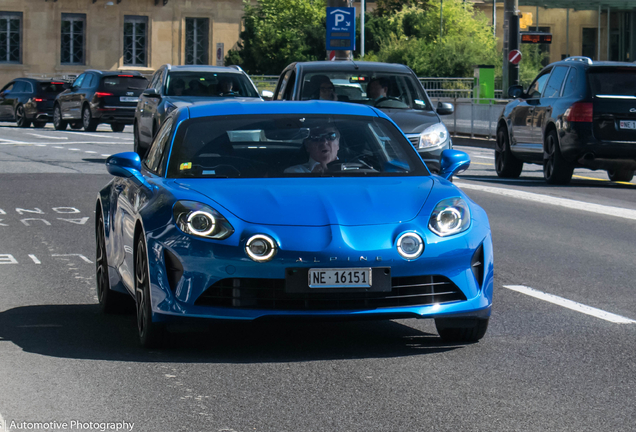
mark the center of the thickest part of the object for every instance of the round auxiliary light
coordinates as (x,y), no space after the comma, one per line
(201,223)
(410,245)
(261,248)
(449,220)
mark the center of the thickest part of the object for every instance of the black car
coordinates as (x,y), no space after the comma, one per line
(402,97)
(175,86)
(576,113)
(29,100)
(99,97)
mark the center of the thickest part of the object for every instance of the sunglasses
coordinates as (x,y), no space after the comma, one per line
(329,136)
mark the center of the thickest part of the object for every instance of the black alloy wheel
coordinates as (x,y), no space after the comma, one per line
(620,175)
(465,330)
(117,127)
(39,124)
(58,123)
(20,117)
(89,123)
(109,301)
(556,170)
(506,165)
(151,335)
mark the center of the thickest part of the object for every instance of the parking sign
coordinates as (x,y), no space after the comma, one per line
(341,28)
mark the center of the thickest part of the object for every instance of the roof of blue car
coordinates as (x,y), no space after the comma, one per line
(225,107)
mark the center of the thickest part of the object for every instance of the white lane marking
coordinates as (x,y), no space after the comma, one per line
(90,151)
(550,200)
(569,304)
(106,155)
(58,147)
(47,136)
(8,141)
(77,255)
(103,135)
(35,259)
(484,157)
(40,145)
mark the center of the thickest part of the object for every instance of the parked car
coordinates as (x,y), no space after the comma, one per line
(576,113)
(29,100)
(250,210)
(99,97)
(405,100)
(175,86)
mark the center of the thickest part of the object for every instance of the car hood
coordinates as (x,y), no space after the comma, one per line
(317,202)
(410,120)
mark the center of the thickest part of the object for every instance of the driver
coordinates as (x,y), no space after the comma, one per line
(378,88)
(322,145)
(226,86)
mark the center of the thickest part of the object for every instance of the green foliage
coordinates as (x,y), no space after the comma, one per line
(389,7)
(530,65)
(279,32)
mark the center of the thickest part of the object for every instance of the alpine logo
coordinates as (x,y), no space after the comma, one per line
(633,110)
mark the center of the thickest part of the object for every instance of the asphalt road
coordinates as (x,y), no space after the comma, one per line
(559,357)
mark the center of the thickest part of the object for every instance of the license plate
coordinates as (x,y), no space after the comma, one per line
(628,124)
(128,99)
(340,278)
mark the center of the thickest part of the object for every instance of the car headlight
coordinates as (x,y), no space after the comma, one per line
(410,245)
(451,216)
(261,247)
(169,107)
(201,220)
(433,136)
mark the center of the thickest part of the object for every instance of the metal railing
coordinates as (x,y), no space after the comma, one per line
(454,87)
(473,117)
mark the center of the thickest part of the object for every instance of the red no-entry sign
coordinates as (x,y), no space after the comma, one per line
(514,57)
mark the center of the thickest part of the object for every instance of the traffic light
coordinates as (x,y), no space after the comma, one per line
(525,20)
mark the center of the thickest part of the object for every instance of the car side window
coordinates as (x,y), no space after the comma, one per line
(570,83)
(553,88)
(536,88)
(283,86)
(78,82)
(19,87)
(289,91)
(88,81)
(158,147)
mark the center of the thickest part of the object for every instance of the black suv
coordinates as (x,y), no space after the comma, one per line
(392,88)
(99,97)
(29,100)
(175,86)
(576,113)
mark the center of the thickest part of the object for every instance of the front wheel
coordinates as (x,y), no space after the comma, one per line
(151,335)
(20,117)
(506,165)
(620,175)
(556,170)
(117,127)
(89,123)
(109,301)
(58,123)
(467,330)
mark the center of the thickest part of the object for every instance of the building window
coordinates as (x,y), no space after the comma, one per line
(10,37)
(588,48)
(135,40)
(73,26)
(196,42)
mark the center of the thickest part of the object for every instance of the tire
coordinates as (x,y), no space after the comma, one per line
(137,148)
(151,335)
(58,123)
(77,125)
(506,165)
(556,170)
(20,117)
(39,124)
(466,330)
(109,301)
(621,175)
(117,127)
(89,123)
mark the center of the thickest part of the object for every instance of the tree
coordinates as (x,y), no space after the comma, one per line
(279,32)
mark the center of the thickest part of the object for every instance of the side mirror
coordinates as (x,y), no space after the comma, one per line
(515,91)
(267,95)
(445,108)
(152,93)
(453,162)
(126,164)
(66,86)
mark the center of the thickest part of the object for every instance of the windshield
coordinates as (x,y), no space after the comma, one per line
(613,81)
(379,90)
(291,146)
(209,84)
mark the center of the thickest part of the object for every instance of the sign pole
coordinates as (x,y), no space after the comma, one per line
(363,7)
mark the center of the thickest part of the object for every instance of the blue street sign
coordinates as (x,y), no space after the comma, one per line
(341,28)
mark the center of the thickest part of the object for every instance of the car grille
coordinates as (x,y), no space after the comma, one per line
(253,293)
(415,139)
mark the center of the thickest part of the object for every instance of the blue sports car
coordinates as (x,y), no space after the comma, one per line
(247,210)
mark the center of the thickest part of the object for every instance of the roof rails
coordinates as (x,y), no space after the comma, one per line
(580,59)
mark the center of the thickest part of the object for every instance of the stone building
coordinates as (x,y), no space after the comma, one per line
(54,38)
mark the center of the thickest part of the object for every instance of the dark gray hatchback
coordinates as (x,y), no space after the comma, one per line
(399,94)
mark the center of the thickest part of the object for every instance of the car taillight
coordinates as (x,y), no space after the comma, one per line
(102,94)
(38,100)
(580,112)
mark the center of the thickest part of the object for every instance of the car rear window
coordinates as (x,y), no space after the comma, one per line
(259,146)
(123,83)
(53,87)
(613,81)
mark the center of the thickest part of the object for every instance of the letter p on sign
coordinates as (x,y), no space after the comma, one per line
(339,18)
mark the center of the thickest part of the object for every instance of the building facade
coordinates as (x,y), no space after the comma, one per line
(55,38)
